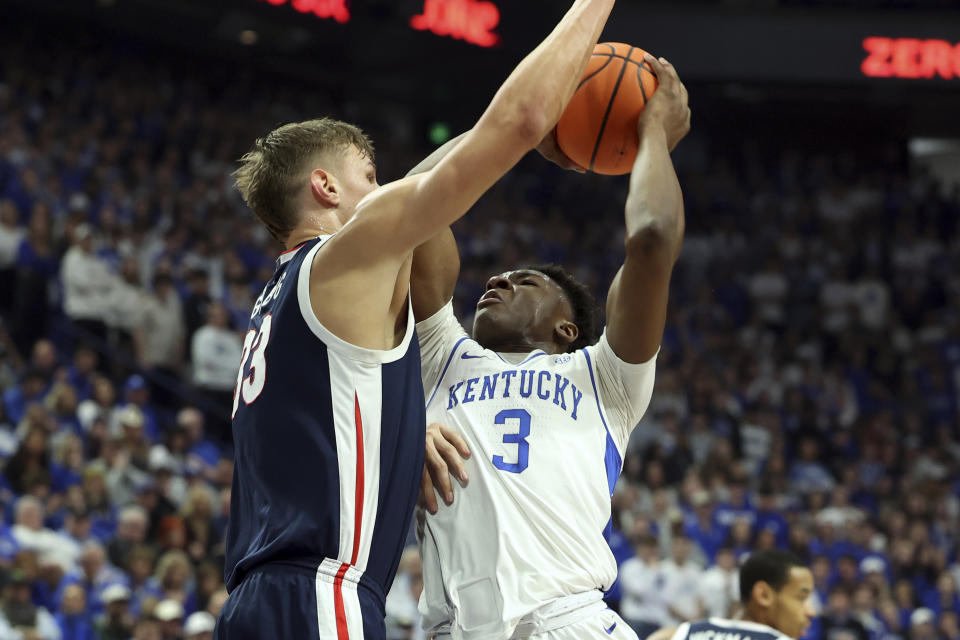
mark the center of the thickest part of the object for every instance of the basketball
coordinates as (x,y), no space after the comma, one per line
(598,129)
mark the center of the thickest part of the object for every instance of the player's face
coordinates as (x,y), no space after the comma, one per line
(792,609)
(356,176)
(520,307)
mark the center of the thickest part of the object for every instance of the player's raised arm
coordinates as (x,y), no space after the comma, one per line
(399,217)
(637,301)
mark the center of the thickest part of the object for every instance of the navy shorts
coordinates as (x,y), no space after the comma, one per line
(291,602)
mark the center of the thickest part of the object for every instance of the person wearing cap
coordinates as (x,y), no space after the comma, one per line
(169,613)
(923,624)
(136,392)
(87,283)
(775,590)
(199,626)
(115,623)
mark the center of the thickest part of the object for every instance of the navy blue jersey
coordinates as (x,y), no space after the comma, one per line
(723,629)
(329,442)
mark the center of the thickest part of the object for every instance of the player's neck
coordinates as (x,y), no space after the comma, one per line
(753,616)
(521,346)
(314,224)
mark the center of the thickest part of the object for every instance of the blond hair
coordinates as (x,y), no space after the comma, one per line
(271,173)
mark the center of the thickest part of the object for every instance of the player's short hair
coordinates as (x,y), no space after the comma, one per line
(771,566)
(581,300)
(270,173)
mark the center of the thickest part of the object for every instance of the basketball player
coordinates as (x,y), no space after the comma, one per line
(328,415)
(775,590)
(545,409)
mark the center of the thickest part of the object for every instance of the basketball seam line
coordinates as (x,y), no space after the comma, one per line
(606,116)
(643,91)
(602,67)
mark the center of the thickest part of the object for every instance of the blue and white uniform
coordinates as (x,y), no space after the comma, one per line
(329,454)
(521,552)
(723,629)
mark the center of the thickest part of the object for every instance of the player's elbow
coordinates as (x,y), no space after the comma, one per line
(655,242)
(523,124)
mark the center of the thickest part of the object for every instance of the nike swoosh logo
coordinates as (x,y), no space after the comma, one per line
(465,356)
(612,627)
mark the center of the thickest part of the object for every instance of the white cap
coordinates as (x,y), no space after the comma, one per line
(131,416)
(167,610)
(161,458)
(921,616)
(872,564)
(115,593)
(199,622)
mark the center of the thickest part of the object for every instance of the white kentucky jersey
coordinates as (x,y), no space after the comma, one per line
(547,435)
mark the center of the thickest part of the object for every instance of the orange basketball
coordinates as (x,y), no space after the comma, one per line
(598,130)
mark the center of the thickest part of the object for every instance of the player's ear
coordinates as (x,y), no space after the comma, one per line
(762,594)
(324,188)
(566,332)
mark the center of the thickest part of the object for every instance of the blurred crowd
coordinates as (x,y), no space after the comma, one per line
(807,389)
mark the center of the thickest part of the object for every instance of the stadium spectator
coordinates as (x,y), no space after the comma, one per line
(642,579)
(682,578)
(215,352)
(116,622)
(73,620)
(18,615)
(87,284)
(719,589)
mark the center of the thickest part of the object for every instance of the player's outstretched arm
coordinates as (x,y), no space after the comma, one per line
(637,301)
(436,262)
(395,219)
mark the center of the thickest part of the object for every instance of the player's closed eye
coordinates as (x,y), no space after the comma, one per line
(531,282)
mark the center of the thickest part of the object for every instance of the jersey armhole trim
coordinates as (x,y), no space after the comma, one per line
(682,631)
(453,352)
(613,458)
(341,346)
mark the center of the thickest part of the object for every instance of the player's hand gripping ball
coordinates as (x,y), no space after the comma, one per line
(598,130)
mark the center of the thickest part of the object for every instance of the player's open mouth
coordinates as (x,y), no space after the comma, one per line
(489,298)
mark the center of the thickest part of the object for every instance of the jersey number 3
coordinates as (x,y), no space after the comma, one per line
(519,439)
(254,346)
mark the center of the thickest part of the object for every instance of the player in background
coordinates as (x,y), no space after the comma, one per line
(775,590)
(545,410)
(328,415)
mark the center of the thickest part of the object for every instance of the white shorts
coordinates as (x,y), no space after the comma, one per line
(603,625)
(577,617)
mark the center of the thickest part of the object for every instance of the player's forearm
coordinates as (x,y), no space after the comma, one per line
(654,211)
(536,93)
(439,154)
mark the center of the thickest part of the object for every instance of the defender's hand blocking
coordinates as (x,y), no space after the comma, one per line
(668,107)
(446,451)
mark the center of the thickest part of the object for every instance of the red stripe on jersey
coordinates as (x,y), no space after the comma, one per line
(293,249)
(358,506)
(342,632)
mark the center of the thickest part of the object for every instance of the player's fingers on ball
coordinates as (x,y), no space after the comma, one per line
(456,440)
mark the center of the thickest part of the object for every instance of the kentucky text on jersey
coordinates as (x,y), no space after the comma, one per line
(527,383)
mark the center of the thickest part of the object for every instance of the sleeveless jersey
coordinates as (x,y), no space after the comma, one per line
(547,435)
(723,629)
(329,440)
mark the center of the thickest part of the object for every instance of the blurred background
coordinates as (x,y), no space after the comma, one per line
(807,391)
